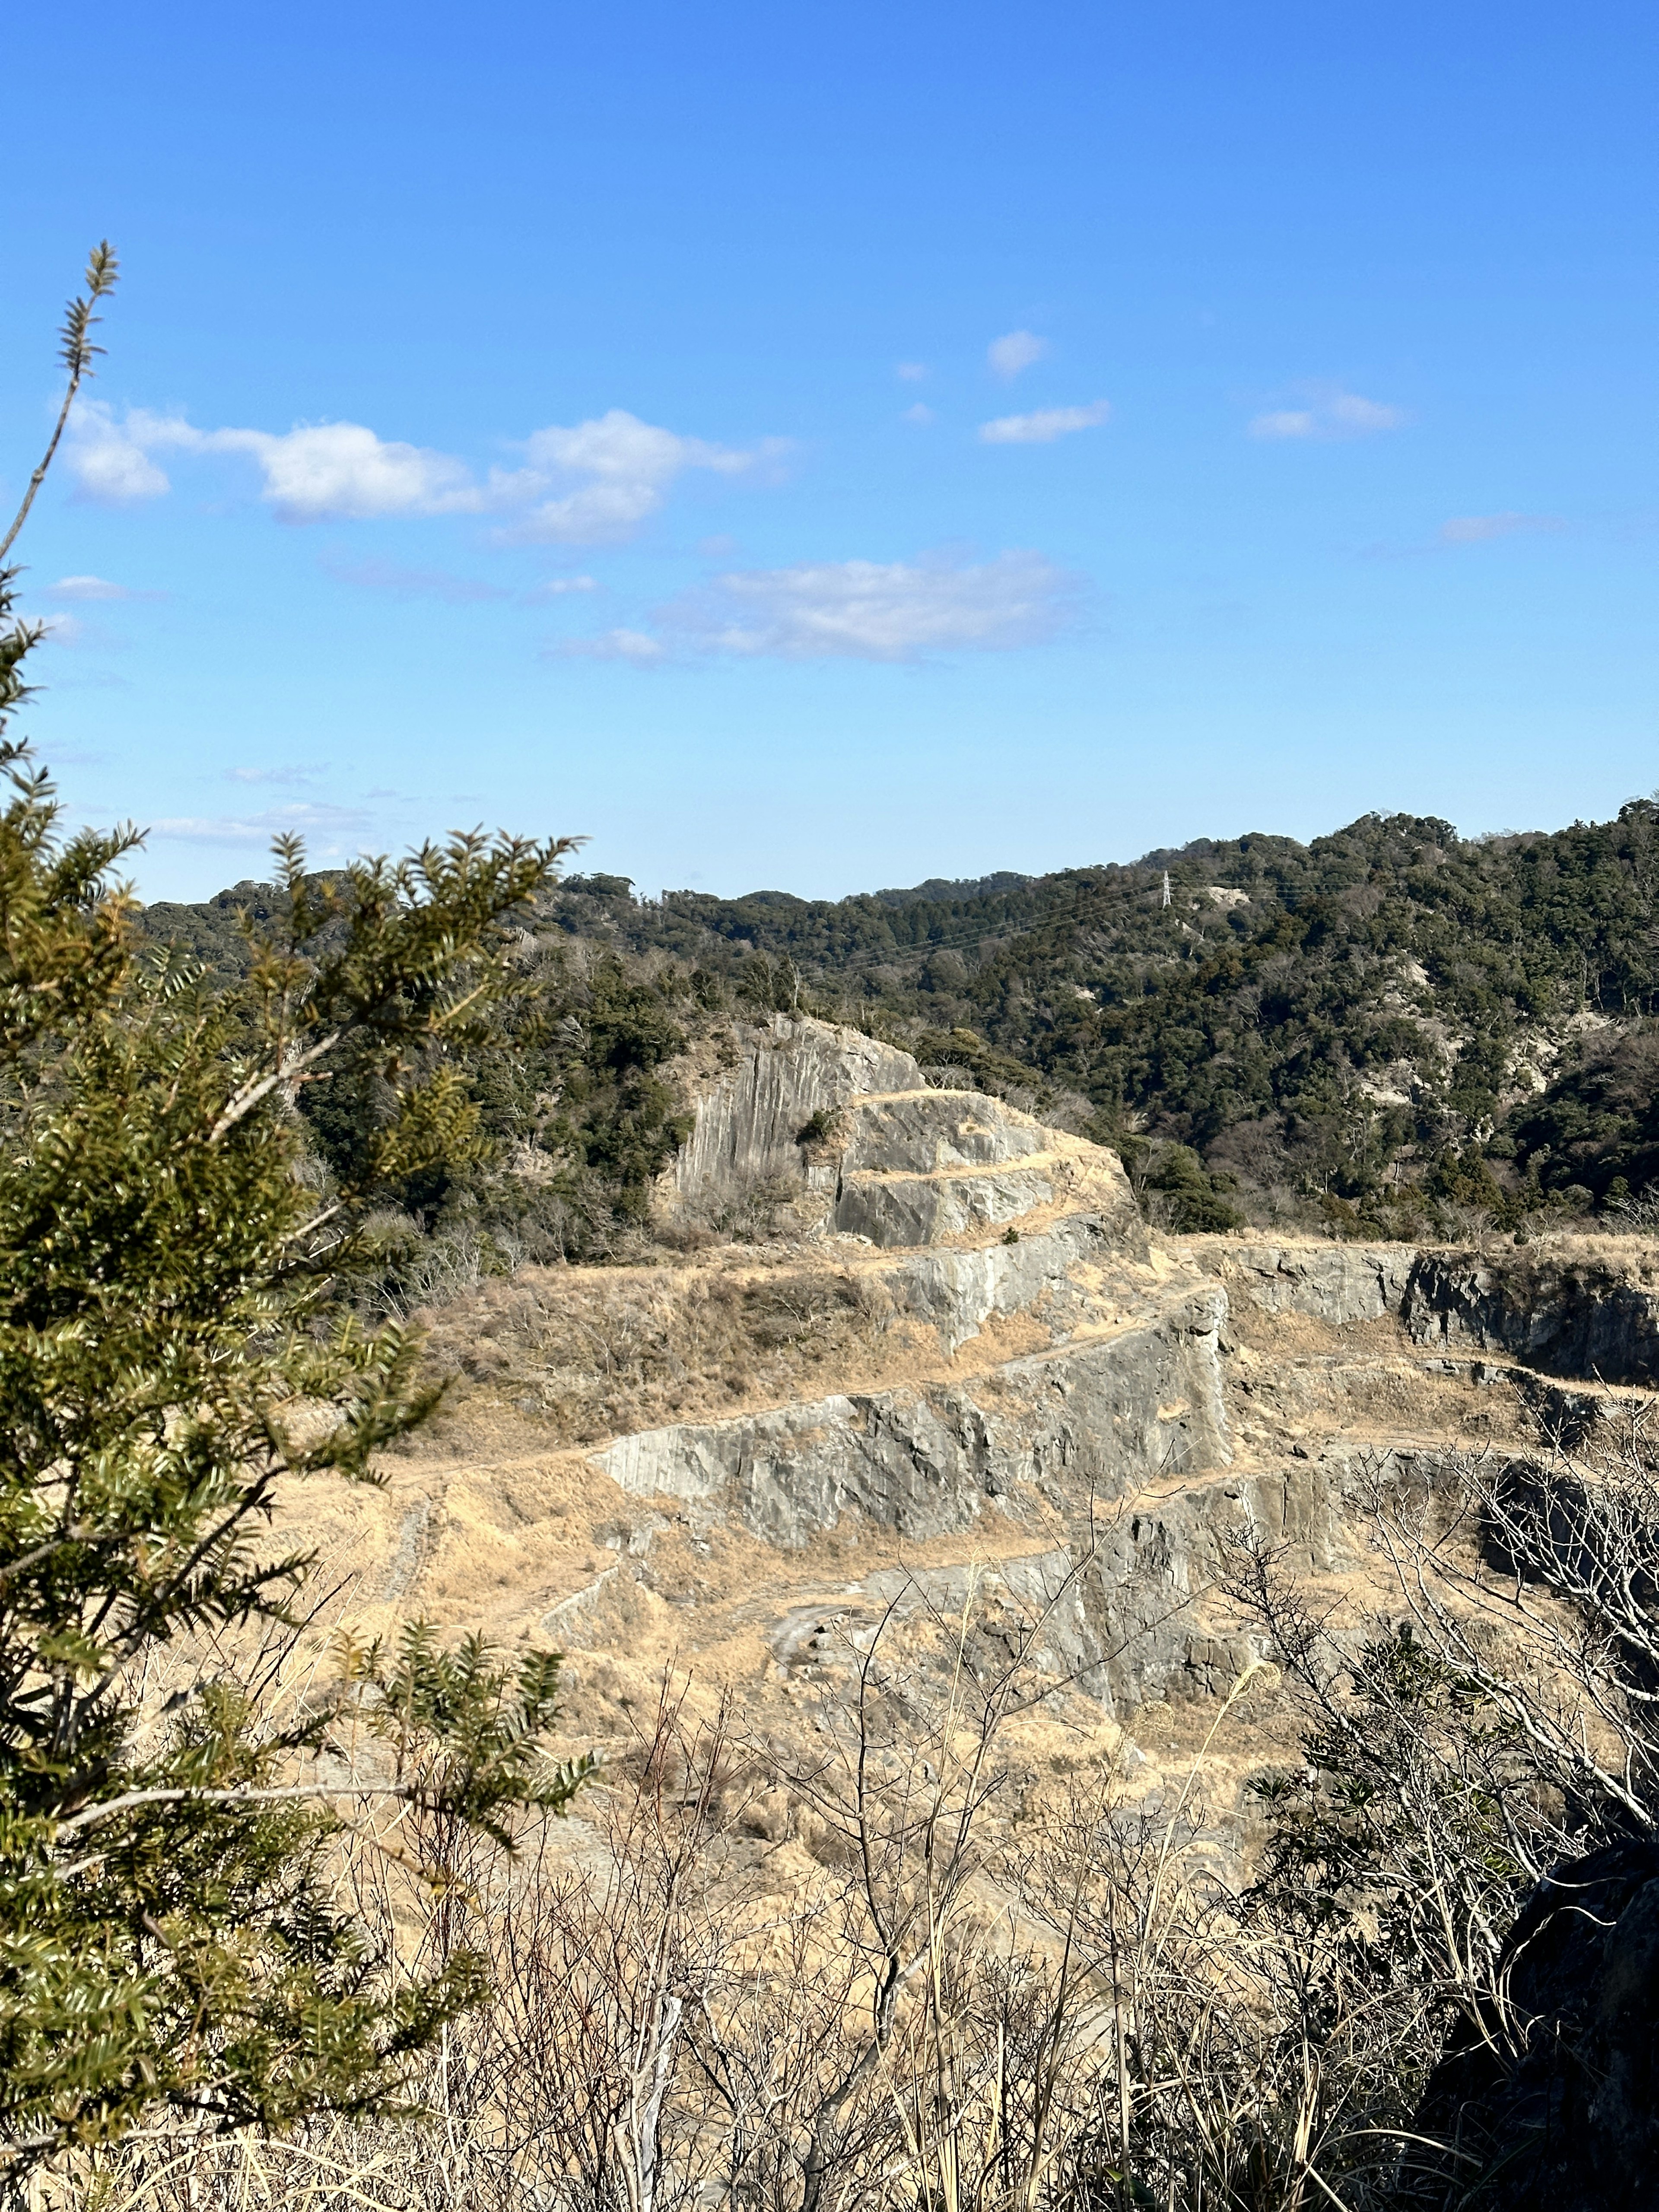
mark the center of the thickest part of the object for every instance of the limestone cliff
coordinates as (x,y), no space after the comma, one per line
(964,1377)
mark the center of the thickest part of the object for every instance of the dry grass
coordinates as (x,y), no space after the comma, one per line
(591,1354)
(936,2009)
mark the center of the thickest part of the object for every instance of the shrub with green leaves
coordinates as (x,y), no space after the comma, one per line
(178,1350)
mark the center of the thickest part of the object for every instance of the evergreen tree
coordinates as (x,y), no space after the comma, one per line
(178,1347)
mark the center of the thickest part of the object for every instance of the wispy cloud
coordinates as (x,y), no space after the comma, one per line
(303,772)
(559,587)
(307,817)
(919,414)
(71,631)
(1482,529)
(911,372)
(77,634)
(91,588)
(1045,425)
(375,575)
(608,475)
(593,483)
(633,645)
(893,610)
(1015,350)
(1329,414)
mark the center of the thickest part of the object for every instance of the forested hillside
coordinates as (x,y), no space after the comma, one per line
(1388,1029)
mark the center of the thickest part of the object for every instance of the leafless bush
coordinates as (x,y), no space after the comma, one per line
(897,1972)
(1538,1578)
(1637,1215)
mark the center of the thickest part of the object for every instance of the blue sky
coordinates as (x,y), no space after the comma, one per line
(822,447)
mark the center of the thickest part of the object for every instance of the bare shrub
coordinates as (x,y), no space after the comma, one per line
(898,1971)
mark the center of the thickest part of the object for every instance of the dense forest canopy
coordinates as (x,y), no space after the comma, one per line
(1366,1031)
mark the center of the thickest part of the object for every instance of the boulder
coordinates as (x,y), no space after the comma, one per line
(1552,2104)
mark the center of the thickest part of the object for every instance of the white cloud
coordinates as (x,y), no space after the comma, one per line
(1482,529)
(911,372)
(291,775)
(1018,350)
(342,472)
(111,460)
(558,587)
(893,611)
(318,471)
(304,816)
(593,483)
(919,415)
(608,475)
(634,645)
(1043,427)
(1329,414)
(94,588)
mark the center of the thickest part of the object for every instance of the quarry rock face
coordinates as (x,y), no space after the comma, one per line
(1101,1417)
(1336,1283)
(1110,1423)
(959,1371)
(1580,1317)
(748,1127)
(1095,1409)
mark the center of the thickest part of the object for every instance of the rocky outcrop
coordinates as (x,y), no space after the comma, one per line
(1553,2107)
(1047,1272)
(1582,1317)
(929,1133)
(1101,1434)
(1089,1419)
(749,1124)
(1333,1283)
(1585,1317)
(904,1209)
(1112,1425)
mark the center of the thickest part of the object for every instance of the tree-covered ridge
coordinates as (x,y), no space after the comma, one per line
(1368,1017)
(1381,1022)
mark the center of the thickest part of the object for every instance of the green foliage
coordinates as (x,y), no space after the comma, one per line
(1401,1827)
(178,1345)
(566,1061)
(1348,1037)
(1598,1124)
(1195,1204)
(1359,1014)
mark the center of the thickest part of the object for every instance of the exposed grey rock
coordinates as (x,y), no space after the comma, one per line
(930,1130)
(1095,1417)
(748,1125)
(1124,1612)
(958,1291)
(924,1209)
(1580,1317)
(1119,1427)
(1336,1283)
